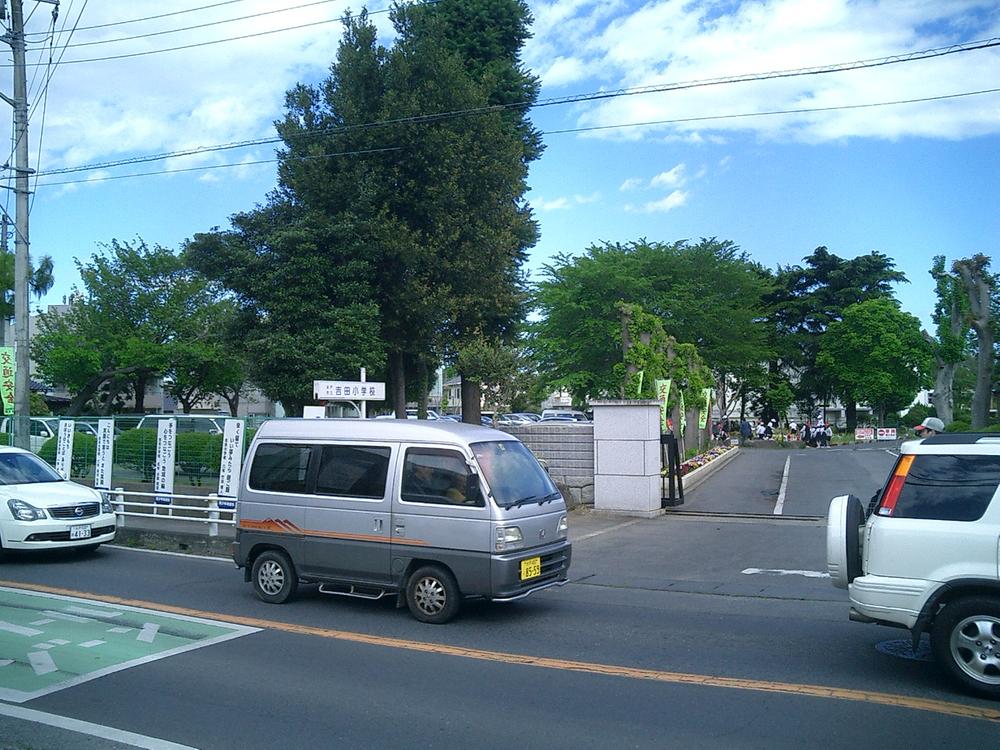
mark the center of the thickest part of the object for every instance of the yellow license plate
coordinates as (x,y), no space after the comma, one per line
(531,568)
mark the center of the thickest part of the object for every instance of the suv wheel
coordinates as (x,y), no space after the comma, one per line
(966,643)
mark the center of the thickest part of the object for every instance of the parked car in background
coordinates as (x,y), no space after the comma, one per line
(41,510)
(432,415)
(209,423)
(529,416)
(41,430)
(573,414)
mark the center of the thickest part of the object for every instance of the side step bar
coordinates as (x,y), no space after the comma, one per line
(347,589)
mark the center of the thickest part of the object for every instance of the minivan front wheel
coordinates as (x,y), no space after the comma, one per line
(274,578)
(432,595)
(966,641)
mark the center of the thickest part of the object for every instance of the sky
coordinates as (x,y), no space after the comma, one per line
(887,136)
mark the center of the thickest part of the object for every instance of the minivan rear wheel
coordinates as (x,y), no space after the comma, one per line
(432,595)
(274,578)
(965,638)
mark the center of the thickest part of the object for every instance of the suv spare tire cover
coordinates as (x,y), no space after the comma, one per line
(843,539)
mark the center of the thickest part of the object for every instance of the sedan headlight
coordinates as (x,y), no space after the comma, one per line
(22,511)
(508,538)
(106,503)
(563,527)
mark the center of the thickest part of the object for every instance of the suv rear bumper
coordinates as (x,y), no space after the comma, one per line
(895,600)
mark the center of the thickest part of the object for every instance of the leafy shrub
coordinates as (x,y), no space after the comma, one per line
(199,454)
(918,414)
(84,452)
(957,426)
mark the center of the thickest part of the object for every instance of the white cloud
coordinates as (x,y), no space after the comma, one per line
(556,204)
(664,42)
(675,200)
(674,177)
(632,183)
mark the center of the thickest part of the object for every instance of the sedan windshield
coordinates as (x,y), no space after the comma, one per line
(25,468)
(513,473)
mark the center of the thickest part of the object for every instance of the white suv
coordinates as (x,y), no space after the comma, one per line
(925,555)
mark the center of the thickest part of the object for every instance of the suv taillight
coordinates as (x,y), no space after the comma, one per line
(895,485)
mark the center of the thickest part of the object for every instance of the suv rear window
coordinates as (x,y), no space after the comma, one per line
(948,488)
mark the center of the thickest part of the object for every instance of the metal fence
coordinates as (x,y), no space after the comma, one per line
(197,462)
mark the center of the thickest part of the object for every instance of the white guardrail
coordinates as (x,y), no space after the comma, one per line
(210,513)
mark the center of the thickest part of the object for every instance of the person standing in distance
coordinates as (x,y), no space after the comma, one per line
(930,426)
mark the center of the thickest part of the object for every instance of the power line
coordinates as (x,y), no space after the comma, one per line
(227,166)
(161,15)
(202,25)
(562,131)
(571,99)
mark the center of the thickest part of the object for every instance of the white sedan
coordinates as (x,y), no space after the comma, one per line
(41,510)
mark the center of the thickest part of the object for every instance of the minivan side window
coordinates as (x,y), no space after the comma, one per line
(439,477)
(280,468)
(948,488)
(354,471)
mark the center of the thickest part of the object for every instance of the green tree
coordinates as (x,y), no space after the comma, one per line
(40,281)
(707,294)
(136,304)
(876,355)
(808,299)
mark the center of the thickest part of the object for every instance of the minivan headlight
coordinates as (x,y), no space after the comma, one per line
(563,527)
(508,538)
(23,511)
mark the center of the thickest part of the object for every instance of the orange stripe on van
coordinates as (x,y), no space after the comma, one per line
(284,526)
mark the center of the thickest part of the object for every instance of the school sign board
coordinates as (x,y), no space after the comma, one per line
(349,390)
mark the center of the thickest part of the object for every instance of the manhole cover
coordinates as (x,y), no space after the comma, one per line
(903,649)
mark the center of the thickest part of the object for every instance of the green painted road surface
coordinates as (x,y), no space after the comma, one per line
(50,642)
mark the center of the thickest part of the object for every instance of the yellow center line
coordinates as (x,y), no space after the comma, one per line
(611,670)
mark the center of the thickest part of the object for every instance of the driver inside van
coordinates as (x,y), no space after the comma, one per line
(429,482)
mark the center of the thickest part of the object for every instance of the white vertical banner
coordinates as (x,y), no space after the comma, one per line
(231,464)
(102,458)
(163,469)
(64,448)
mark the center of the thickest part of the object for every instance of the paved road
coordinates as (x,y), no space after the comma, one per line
(810,477)
(675,632)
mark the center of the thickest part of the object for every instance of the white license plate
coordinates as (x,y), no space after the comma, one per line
(79,532)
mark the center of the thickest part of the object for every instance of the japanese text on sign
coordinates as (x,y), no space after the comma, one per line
(64,448)
(102,461)
(328,390)
(7,370)
(232,462)
(163,469)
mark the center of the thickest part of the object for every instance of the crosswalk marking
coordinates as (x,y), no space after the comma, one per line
(41,662)
(19,630)
(91,644)
(148,632)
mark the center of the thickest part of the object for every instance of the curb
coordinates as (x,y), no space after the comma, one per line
(174,541)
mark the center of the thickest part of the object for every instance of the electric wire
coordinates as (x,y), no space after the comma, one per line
(562,131)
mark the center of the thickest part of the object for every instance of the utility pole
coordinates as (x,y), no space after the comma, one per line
(22,380)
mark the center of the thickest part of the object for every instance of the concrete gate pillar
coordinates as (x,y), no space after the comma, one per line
(627,457)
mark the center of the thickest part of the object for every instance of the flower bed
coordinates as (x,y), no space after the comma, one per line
(701,459)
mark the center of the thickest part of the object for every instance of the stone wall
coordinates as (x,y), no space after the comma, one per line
(567,449)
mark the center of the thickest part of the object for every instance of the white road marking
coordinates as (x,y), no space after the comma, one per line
(44,646)
(91,644)
(65,616)
(119,630)
(19,630)
(779,572)
(42,662)
(93,730)
(187,555)
(6,662)
(58,641)
(46,621)
(93,612)
(148,632)
(780,505)
(592,534)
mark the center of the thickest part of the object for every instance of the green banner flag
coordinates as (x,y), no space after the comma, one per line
(662,394)
(707,409)
(638,391)
(8,367)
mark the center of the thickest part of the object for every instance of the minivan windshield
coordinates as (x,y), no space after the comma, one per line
(513,473)
(25,468)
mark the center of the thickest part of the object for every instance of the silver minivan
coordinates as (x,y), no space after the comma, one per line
(429,512)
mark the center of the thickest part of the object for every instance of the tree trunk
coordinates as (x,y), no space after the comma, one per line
(851,414)
(234,403)
(424,388)
(140,392)
(943,397)
(978,288)
(397,373)
(471,400)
